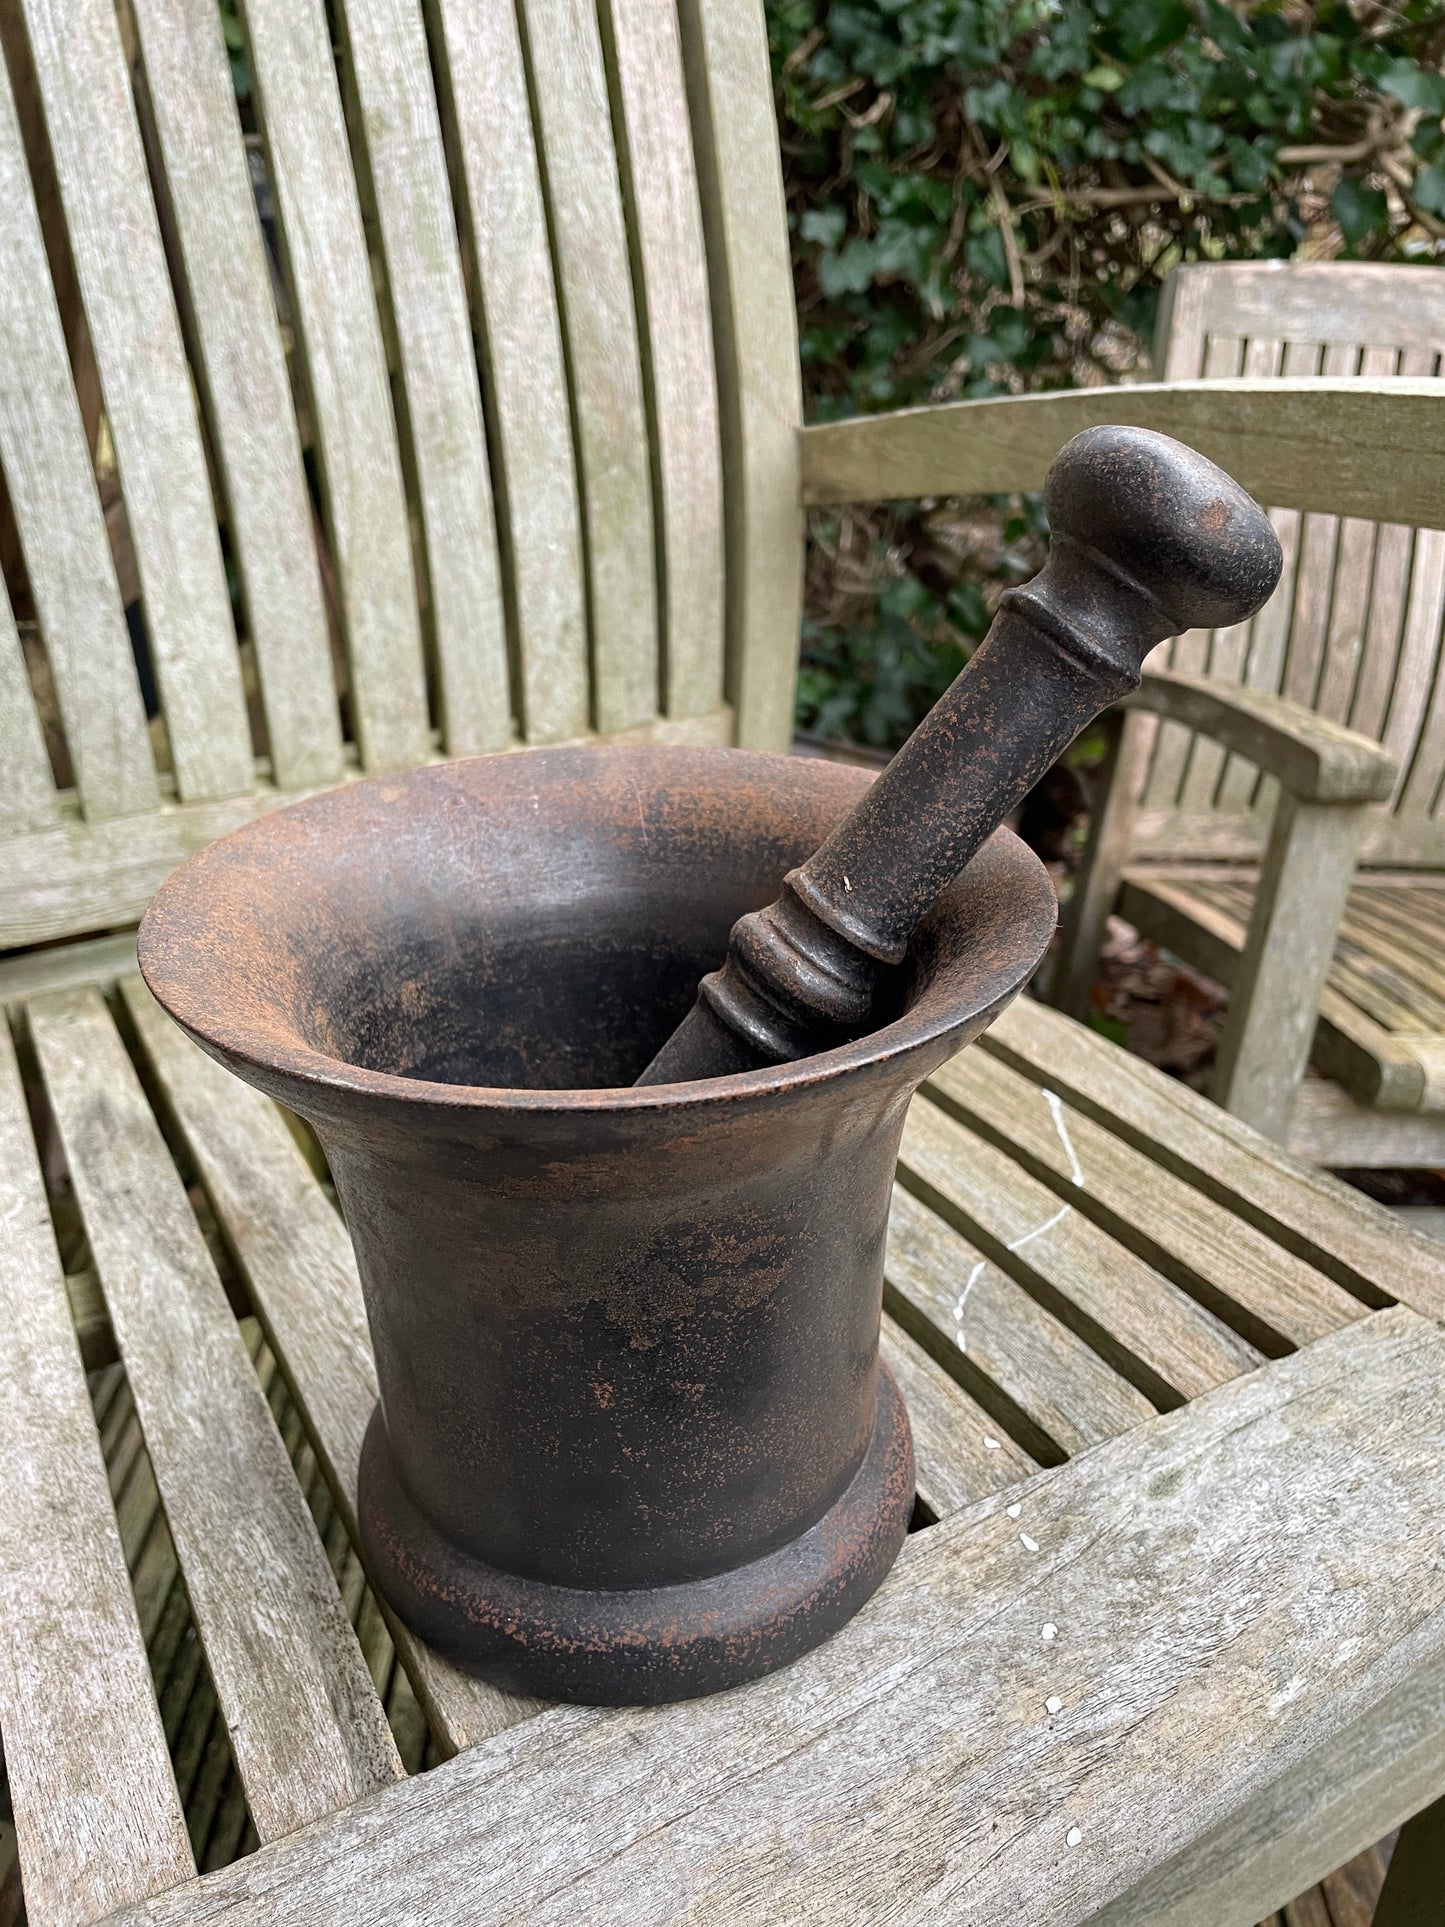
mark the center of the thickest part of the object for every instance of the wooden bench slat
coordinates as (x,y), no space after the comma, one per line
(1182,1233)
(660,184)
(51,486)
(96,1809)
(244,383)
(115,241)
(78,876)
(1144,1325)
(594,285)
(298,102)
(296,1257)
(960,1453)
(27,791)
(525,378)
(1346,1235)
(755,323)
(987,1326)
(1230,1587)
(386,47)
(308,1731)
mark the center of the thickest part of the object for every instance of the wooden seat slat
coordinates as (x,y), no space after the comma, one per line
(1190,1239)
(52,493)
(660,186)
(484,108)
(594,287)
(1338,1230)
(97,1813)
(115,240)
(308,1731)
(1231,1586)
(385,46)
(297,1260)
(960,1452)
(1140,1322)
(994,1335)
(339,339)
(245,390)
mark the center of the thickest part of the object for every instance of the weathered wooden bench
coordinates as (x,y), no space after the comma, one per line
(1170,1626)
(1167,1641)
(1352,637)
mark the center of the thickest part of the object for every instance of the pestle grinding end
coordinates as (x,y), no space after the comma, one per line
(1167,517)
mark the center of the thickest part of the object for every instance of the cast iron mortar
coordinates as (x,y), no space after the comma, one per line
(634,1440)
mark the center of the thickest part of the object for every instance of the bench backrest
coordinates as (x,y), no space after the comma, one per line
(1354,630)
(481,432)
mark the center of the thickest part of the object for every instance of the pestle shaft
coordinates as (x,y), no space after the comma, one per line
(1149,539)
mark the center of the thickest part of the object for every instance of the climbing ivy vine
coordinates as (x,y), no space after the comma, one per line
(986,195)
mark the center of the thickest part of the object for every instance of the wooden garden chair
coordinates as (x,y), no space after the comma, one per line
(1169,1642)
(1251,876)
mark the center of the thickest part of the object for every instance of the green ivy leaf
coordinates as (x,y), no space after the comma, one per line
(1360,211)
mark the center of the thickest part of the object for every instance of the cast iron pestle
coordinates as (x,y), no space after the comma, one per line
(1149,539)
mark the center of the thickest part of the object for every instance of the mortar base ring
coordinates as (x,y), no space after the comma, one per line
(649,1645)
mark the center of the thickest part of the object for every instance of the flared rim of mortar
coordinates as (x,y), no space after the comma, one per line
(192,896)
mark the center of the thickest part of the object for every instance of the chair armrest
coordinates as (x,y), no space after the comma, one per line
(1315,760)
(1345,446)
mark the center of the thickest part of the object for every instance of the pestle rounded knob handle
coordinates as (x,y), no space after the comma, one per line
(1148,539)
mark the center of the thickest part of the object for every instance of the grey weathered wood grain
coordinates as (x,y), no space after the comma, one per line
(1048,1239)
(594,284)
(1303,885)
(1336,1228)
(76,877)
(27,790)
(110,220)
(974,1316)
(1209,1638)
(241,368)
(514,298)
(960,1452)
(96,1809)
(1305,302)
(308,1732)
(1345,447)
(659,179)
(294,1253)
(1353,1792)
(1202,1246)
(51,487)
(407,176)
(755,332)
(339,338)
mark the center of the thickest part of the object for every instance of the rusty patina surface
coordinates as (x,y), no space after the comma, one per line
(634,1441)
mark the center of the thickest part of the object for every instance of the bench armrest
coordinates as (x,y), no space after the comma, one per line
(1345,446)
(1314,760)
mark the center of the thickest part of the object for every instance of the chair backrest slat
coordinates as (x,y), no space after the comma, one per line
(522,360)
(27,794)
(464,349)
(329,276)
(227,300)
(406,172)
(564,52)
(1354,629)
(660,183)
(756,330)
(52,492)
(83,81)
